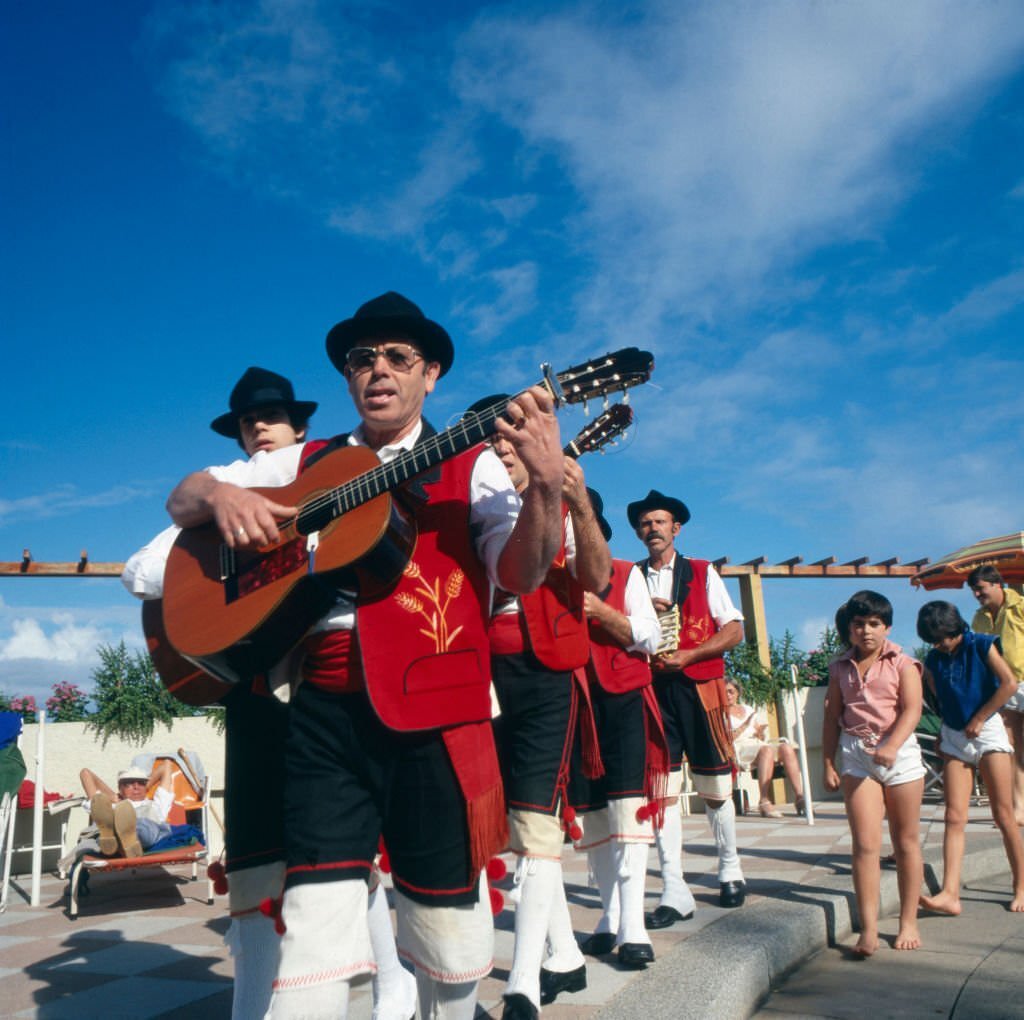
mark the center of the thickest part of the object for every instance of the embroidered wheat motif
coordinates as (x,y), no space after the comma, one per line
(436,617)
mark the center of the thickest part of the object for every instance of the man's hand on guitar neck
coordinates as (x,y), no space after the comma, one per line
(530,425)
(532,429)
(246,519)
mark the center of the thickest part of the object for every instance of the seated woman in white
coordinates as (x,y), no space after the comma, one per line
(754,750)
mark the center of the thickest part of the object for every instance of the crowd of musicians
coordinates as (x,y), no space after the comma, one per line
(515,688)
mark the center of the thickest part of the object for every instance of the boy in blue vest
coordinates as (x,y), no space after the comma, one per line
(971,681)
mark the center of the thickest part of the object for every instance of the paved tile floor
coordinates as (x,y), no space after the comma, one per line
(150,948)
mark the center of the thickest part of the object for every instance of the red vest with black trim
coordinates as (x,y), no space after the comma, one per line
(422,641)
(696,624)
(616,669)
(554,618)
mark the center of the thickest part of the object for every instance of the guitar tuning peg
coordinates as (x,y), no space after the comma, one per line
(605,405)
(586,408)
(625,396)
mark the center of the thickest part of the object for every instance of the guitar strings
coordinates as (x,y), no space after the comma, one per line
(368,485)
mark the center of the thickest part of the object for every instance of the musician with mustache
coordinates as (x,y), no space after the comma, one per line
(390,729)
(690,687)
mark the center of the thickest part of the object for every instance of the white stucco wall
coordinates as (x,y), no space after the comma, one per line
(69,747)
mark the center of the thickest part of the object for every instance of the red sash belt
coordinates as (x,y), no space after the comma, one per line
(332,662)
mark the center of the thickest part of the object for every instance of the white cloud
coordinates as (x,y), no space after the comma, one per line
(67,499)
(676,158)
(711,144)
(66,642)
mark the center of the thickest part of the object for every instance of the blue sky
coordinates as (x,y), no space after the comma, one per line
(811,213)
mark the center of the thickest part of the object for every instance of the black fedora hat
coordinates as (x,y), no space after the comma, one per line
(391,314)
(598,504)
(259,387)
(655,500)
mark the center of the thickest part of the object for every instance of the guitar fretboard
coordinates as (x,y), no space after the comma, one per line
(470,430)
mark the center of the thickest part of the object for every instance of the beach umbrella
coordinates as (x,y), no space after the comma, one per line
(1005,553)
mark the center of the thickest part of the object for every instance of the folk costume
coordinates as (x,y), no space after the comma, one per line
(536,641)
(693,707)
(357,756)
(390,735)
(619,806)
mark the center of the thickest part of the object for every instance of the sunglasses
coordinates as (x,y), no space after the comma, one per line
(401,357)
(133,782)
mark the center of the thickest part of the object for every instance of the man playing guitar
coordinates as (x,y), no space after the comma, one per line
(430,785)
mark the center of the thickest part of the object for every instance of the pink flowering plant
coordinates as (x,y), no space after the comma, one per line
(67,703)
(26,705)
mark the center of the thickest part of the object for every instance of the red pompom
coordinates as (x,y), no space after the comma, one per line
(279,925)
(569,815)
(497,902)
(575,832)
(219,877)
(270,908)
(496,869)
(643,813)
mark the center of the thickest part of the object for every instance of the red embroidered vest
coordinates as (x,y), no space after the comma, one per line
(554,618)
(422,642)
(696,623)
(614,668)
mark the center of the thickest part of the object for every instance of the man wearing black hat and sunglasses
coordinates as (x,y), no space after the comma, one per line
(390,730)
(690,687)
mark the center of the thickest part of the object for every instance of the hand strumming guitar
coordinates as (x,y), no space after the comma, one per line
(245,519)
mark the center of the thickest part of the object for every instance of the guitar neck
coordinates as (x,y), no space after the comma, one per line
(472,429)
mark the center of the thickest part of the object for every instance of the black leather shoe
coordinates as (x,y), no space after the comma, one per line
(601,943)
(731,894)
(635,955)
(663,917)
(519,1007)
(552,982)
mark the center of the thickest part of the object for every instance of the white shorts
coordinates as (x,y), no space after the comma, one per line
(956,744)
(857,761)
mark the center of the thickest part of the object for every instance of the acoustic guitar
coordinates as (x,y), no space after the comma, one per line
(235,612)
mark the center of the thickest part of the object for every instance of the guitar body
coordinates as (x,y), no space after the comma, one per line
(234,613)
(183,679)
(239,612)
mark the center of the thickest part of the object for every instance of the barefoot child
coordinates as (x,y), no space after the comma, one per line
(972,682)
(871,711)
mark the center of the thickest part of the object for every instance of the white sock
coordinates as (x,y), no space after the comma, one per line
(563,949)
(446,1002)
(602,867)
(723,827)
(675,892)
(255,950)
(394,988)
(536,880)
(631,868)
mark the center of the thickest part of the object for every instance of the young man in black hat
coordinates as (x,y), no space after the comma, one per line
(390,730)
(263,415)
(690,687)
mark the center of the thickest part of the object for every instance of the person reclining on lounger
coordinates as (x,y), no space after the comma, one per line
(127,820)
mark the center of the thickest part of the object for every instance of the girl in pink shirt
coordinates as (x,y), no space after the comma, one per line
(872,708)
